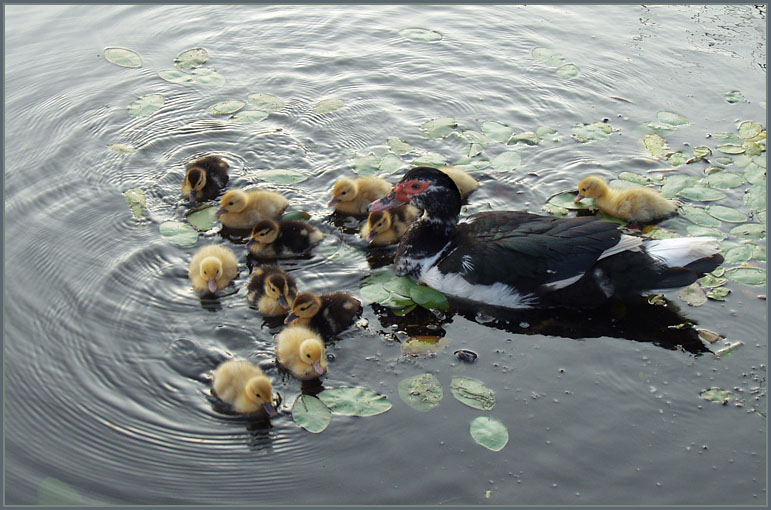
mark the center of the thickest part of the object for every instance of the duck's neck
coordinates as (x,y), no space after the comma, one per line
(423,244)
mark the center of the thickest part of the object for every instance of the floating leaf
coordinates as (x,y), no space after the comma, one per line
(643,180)
(728,214)
(203,219)
(146,105)
(122,148)
(399,147)
(554,209)
(568,71)
(390,163)
(208,77)
(438,128)
(179,233)
(546,56)
(365,164)
(724,180)
(430,159)
(701,194)
(296,215)
(717,395)
(489,432)
(724,160)
(506,161)
(750,231)
(738,254)
(497,131)
(699,216)
(677,158)
(747,275)
(730,148)
(354,401)
(310,413)
(742,160)
(424,345)
(53,492)
(699,153)
(328,106)
(673,119)
(473,392)
(226,107)
(597,131)
(422,392)
(420,35)
(266,102)
(429,298)
(656,145)
(693,295)
(249,116)
(755,174)
(136,200)
(656,232)
(727,137)
(699,231)
(282,177)
(734,96)
(749,129)
(191,58)
(752,148)
(709,281)
(175,76)
(526,137)
(567,200)
(123,57)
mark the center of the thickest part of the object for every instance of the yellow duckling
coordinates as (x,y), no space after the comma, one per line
(284,238)
(388,226)
(212,268)
(243,208)
(204,178)
(353,196)
(301,351)
(271,290)
(328,314)
(463,180)
(636,205)
(244,386)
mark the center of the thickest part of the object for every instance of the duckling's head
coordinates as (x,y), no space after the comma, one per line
(277,287)
(312,353)
(211,271)
(234,201)
(591,187)
(259,391)
(379,222)
(304,306)
(195,180)
(344,190)
(264,232)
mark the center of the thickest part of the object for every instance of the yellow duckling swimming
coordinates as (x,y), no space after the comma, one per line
(244,386)
(204,178)
(283,238)
(272,290)
(353,196)
(212,268)
(241,209)
(388,226)
(328,314)
(463,180)
(636,205)
(301,351)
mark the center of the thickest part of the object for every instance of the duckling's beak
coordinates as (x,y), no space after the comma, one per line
(249,243)
(387,202)
(269,408)
(283,302)
(371,236)
(290,317)
(220,212)
(212,286)
(333,202)
(579,197)
(317,368)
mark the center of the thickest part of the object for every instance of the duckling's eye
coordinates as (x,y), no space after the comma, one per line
(231,203)
(344,192)
(307,355)
(258,395)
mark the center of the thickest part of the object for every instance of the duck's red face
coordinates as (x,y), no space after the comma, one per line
(401,194)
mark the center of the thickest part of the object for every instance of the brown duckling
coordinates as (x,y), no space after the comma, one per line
(463,180)
(241,209)
(636,205)
(388,226)
(329,314)
(271,290)
(244,386)
(353,196)
(301,351)
(212,268)
(204,178)
(283,238)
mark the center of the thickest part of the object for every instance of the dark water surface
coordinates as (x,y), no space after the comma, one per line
(107,350)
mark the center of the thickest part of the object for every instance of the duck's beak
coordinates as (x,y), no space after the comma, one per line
(371,237)
(579,197)
(283,302)
(269,408)
(333,202)
(220,212)
(317,368)
(212,286)
(289,318)
(387,202)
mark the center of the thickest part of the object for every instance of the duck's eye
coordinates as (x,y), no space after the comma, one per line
(415,186)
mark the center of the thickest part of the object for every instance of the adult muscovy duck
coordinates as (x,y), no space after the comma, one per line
(523,260)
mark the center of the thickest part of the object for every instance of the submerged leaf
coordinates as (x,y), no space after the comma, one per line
(356,401)
(489,432)
(473,393)
(568,71)
(546,56)
(249,116)
(192,58)
(175,76)
(506,161)
(328,106)
(399,147)
(136,200)
(693,295)
(179,233)
(146,105)
(123,57)
(282,177)
(122,148)
(420,35)
(310,413)
(422,392)
(597,131)
(430,159)
(208,77)
(672,118)
(497,131)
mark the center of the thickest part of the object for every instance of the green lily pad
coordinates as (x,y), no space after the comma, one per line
(699,231)
(208,77)
(420,35)
(724,160)
(545,131)
(136,200)
(53,492)
(566,200)
(677,158)
(749,129)
(430,159)
(677,182)
(296,215)
(755,174)
(727,137)
(191,58)
(203,219)
(738,255)
(724,180)
(226,107)
(554,210)
(656,232)
(701,194)
(356,401)
(343,254)
(123,57)
(643,180)
(699,216)
(526,137)
(760,161)
(399,147)
(753,149)
(673,119)
(328,106)
(749,231)
(179,233)
(693,294)
(727,214)
(146,105)
(471,164)
(282,177)
(497,131)
(422,392)
(122,148)
(758,252)
(266,102)
(709,281)
(655,144)
(249,116)
(747,275)
(473,393)
(568,71)
(718,294)
(489,432)
(390,163)
(717,395)
(549,57)
(506,161)
(734,96)
(742,160)
(429,298)
(730,148)
(310,413)
(365,164)
(175,76)
(438,128)
(597,131)
(699,153)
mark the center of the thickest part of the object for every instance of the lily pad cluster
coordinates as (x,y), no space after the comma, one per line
(400,293)
(315,413)
(421,35)
(553,59)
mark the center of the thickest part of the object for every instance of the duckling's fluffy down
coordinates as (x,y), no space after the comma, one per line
(301,351)
(213,257)
(244,386)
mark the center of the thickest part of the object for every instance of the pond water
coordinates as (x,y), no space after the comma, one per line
(108,351)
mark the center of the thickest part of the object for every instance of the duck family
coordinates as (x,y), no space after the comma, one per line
(511,259)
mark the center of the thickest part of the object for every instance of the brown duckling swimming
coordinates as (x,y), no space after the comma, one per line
(328,314)
(204,178)
(212,268)
(244,386)
(272,290)
(283,238)
(353,196)
(302,352)
(241,209)
(387,227)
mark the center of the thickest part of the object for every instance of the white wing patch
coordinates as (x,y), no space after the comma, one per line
(497,294)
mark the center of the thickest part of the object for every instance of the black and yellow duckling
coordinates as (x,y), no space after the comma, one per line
(204,178)
(328,314)
(244,386)
(241,209)
(353,196)
(387,227)
(271,290)
(212,268)
(283,238)
(301,351)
